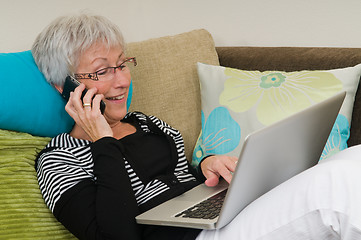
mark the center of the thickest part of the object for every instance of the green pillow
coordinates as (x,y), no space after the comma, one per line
(23,213)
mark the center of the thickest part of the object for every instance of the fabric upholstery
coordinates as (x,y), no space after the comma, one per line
(165,81)
(25,92)
(236,103)
(23,213)
(36,99)
(296,59)
(166,67)
(166,85)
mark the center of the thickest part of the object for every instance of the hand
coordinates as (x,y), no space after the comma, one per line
(217,166)
(88,117)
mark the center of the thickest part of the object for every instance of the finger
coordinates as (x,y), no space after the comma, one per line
(70,109)
(96,102)
(225,161)
(231,168)
(76,108)
(212,181)
(225,173)
(87,106)
(231,163)
(88,97)
(75,98)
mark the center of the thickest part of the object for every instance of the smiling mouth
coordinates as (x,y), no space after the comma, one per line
(116,98)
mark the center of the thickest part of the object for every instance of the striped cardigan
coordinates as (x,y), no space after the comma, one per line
(66,161)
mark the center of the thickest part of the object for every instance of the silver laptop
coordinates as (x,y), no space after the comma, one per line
(268,157)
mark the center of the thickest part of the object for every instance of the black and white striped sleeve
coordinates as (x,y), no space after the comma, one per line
(58,171)
(101,209)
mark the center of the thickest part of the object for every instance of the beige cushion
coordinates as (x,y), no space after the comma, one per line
(165,81)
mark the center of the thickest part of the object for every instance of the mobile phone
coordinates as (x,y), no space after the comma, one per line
(70,85)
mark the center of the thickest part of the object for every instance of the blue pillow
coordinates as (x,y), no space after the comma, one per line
(28,102)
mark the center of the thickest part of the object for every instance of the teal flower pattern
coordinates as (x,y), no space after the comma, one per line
(272,80)
(221,134)
(337,140)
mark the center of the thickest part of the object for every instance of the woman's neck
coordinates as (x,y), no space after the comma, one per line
(120,130)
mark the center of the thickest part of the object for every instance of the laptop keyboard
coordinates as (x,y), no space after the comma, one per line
(207,209)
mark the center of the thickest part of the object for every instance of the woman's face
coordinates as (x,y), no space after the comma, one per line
(115,90)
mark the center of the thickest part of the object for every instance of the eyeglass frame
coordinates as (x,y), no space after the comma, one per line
(94,75)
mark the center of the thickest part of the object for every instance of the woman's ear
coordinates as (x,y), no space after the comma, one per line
(60,89)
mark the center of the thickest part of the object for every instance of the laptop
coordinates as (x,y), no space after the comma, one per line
(268,157)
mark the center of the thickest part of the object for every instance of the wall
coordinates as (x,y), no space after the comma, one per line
(332,23)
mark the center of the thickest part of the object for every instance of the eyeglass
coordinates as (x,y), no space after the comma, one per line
(107,73)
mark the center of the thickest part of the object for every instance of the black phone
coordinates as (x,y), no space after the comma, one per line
(69,86)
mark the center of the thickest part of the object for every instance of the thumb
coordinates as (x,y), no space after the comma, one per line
(212,180)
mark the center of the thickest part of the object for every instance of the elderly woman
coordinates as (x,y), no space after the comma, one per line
(115,165)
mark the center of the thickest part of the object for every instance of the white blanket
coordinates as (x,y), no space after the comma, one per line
(324,202)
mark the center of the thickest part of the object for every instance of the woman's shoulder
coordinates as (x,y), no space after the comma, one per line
(136,116)
(62,146)
(65,158)
(151,121)
(65,140)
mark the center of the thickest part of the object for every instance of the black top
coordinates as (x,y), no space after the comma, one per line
(124,178)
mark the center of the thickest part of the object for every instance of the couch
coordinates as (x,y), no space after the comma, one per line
(166,84)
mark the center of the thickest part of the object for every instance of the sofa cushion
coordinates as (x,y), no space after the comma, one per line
(291,59)
(23,213)
(166,83)
(237,102)
(158,78)
(29,103)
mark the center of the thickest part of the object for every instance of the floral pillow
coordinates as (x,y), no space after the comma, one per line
(235,103)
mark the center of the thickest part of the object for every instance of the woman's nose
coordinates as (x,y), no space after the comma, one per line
(121,78)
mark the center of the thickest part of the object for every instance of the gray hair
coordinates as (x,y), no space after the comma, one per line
(58,47)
